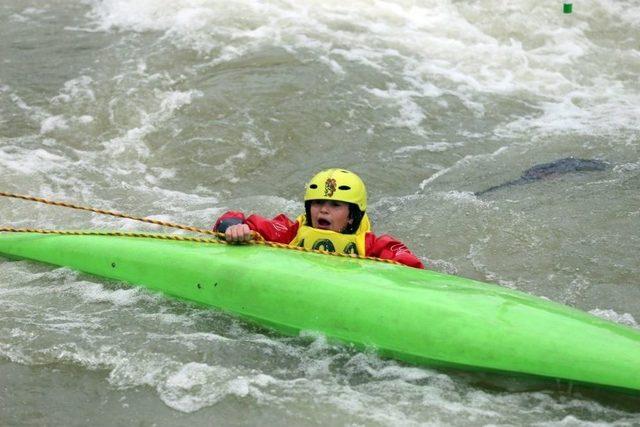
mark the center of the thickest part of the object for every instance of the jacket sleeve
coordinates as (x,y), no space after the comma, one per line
(387,247)
(279,229)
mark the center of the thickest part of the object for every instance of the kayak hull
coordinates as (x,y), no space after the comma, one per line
(417,316)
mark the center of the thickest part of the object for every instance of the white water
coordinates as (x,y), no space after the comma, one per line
(184,109)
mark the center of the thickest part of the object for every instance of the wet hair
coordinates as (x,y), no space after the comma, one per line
(354,213)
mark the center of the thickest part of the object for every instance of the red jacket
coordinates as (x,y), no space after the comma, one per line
(281,229)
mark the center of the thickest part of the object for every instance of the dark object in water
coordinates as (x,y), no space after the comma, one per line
(552,169)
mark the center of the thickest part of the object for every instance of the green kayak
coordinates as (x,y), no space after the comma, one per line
(417,316)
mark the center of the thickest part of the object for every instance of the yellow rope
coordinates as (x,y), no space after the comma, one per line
(318,251)
(112,213)
(184,239)
(112,233)
(257,238)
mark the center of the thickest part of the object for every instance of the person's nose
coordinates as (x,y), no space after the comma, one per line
(324,207)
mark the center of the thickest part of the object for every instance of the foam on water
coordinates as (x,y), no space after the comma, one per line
(76,90)
(625,319)
(52,123)
(194,386)
(132,142)
(434,147)
(443,50)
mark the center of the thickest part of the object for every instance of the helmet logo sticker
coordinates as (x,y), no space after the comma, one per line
(329,187)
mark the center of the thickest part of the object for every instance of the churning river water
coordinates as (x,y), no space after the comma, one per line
(183,109)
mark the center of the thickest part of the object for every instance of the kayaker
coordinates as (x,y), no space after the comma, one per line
(335,219)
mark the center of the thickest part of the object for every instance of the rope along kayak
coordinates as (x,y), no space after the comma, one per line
(105,212)
(257,238)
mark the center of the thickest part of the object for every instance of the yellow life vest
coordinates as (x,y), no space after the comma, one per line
(331,241)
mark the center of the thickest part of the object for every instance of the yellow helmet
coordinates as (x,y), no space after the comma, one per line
(337,184)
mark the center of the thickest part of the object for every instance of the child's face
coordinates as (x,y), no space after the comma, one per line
(330,215)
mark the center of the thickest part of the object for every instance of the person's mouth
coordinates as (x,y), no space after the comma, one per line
(324,223)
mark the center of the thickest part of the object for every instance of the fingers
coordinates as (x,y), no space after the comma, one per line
(238,233)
